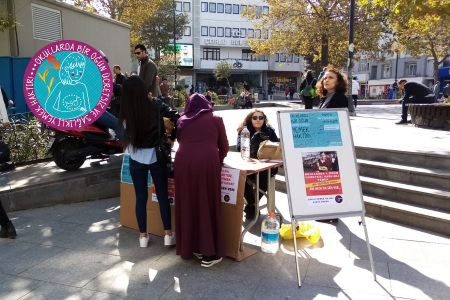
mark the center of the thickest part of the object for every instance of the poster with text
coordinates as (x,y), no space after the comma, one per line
(125,175)
(230,181)
(322,178)
(316,129)
(170,191)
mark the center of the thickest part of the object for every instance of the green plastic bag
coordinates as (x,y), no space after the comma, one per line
(305,229)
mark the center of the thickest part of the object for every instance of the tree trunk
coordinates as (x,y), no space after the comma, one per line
(435,70)
(325,51)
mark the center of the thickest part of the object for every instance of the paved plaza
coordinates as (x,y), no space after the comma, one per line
(80,251)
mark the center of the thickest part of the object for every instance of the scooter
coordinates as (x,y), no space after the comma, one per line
(71,148)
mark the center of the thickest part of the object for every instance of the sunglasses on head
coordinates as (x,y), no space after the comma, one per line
(260,118)
(137,53)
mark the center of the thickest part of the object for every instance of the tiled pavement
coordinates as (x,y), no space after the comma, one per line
(80,251)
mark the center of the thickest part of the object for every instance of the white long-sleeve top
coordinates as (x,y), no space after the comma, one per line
(3,112)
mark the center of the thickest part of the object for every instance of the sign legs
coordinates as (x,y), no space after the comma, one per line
(296,251)
(363,219)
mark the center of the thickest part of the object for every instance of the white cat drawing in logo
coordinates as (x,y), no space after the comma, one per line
(69,99)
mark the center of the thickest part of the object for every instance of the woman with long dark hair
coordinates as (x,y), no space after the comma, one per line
(305,87)
(140,119)
(332,87)
(198,165)
(260,130)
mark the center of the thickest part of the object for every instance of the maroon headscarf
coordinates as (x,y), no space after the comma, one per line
(196,106)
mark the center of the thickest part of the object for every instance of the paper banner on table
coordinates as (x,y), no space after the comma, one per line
(230,182)
(170,191)
(125,175)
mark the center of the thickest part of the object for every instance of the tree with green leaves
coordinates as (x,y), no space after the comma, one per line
(222,70)
(157,31)
(167,67)
(319,28)
(6,22)
(422,27)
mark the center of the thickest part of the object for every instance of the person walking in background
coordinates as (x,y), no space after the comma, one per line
(260,129)
(198,164)
(286,92)
(246,86)
(355,91)
(119,76)
(142,122)
(306,86)
(332,87)
(447,90)
(147,69)
(436,90)
(395,89)
(414,92)
(164,88)
(322,73)
(8,230)
(291,92)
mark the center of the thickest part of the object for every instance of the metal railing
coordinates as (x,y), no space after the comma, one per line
(27,137)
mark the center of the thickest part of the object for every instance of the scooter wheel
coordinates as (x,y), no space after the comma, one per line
(58,155)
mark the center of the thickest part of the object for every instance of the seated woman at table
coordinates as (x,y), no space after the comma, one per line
(258,125)
(203,145)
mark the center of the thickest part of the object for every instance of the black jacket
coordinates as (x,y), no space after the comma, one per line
(269,131)
(415,89)
(148,73)
(337,101)
(152,140)
(312,82)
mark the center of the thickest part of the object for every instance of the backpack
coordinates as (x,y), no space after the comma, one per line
(307,90)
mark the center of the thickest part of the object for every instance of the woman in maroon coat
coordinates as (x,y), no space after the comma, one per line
(198,164)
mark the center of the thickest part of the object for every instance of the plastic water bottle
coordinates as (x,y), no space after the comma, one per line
(245,144)
(270,230)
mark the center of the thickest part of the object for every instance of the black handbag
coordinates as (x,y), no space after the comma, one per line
(163,149)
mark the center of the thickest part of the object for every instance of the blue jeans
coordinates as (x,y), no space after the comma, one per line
(109,121)
(159,173)
(415,100)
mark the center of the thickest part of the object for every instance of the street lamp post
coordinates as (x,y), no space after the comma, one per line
(351,47)
(174,42)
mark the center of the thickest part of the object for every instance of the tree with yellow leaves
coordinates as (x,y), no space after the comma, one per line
(422,27)
(319,28)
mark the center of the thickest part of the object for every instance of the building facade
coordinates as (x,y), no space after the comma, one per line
(217,32)
(375,77)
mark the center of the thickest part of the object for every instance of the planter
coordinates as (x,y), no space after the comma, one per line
(430,115)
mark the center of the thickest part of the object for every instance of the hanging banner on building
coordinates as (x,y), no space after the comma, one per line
(230,181)
(184,54)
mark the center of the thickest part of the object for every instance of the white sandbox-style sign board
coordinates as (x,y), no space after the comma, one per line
(320,164)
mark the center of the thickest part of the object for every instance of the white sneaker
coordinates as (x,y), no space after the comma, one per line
(144,241)
(169,240)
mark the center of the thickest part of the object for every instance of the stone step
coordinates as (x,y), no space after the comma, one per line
(407,214)
(405,193)
(406,158)
(426,177)
(402,213)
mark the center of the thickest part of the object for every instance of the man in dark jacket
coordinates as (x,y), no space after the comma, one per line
(414,92)
(147,69)
(119,77)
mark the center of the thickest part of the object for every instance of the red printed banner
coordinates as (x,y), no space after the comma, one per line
(323,183)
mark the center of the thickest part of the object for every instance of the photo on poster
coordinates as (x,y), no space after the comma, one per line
(322,178)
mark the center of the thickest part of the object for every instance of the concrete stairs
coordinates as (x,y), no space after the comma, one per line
(410,188)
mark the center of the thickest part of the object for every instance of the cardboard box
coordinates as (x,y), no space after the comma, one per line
(232,215)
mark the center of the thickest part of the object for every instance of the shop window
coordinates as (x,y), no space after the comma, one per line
(220,8)
(212,7)
(204,6)
(220,31)
(212,31)
(228,8)
(243,33)
(187,30)
(204,30)
(211,53)
(186,6)
(179,6)
(250,33)
(235,8)
(227,32)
